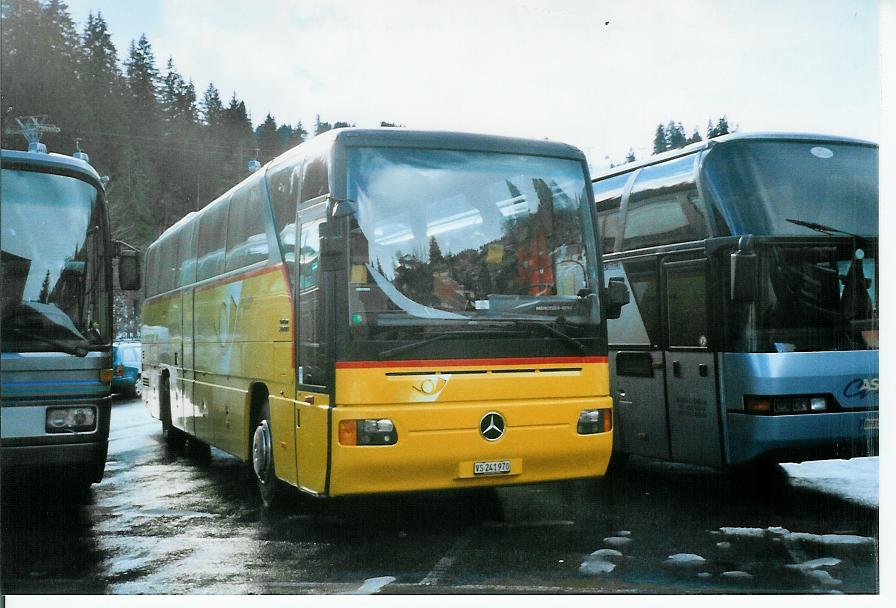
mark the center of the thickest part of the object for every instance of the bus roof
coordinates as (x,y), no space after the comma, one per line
(451,140)
(52,163)
(724,139)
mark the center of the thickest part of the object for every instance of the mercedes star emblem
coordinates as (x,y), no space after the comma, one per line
(491,427)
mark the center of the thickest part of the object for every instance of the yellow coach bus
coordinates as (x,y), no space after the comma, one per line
(387,310)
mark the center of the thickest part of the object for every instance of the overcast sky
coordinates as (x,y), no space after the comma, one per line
(599,75)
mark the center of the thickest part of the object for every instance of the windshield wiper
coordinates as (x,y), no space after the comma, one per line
(553,331)
(446,336)
(821,228)
(64,346)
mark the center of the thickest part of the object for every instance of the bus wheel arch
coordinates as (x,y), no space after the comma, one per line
(174,437)
(261,457)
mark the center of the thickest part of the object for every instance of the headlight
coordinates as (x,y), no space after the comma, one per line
(371,431)
(71,419)
(595,421)
(786,405)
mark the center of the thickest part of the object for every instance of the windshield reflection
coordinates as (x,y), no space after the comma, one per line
(55,295)
(445,238)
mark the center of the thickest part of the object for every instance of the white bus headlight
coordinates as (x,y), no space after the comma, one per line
(595,421)
(370,431)
(70,419)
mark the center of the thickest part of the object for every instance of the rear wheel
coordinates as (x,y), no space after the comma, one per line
(174,437)
(263,457)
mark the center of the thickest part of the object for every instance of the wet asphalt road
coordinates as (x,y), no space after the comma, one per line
(163,522)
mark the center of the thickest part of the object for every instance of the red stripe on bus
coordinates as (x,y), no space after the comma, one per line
(468,362)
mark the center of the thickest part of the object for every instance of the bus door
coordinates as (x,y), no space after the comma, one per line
(690,369)
(312,353)
(637,367)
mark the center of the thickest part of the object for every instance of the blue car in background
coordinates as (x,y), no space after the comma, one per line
(126,368)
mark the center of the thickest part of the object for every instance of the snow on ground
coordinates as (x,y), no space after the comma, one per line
(855,480)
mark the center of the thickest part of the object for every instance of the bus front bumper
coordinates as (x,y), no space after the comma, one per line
(801,437)
(67,461)
(443,455)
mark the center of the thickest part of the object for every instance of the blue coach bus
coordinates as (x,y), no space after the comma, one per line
(752,260)
(56,326)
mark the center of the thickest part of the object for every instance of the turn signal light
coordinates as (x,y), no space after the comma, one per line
(106,376)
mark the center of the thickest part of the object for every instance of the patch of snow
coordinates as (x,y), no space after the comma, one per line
(783,533)
(704,575)
(607,553)
(823,577)
(855,480)
(373,585)
(617,541)
(814,563)
(737,574)
(596,566)
(685,559)
(624,533)
(744,532)
(723,545)
(832,539)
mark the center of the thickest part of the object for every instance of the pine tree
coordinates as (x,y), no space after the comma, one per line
(694,138)
(212,108)
(268,140)
(659,140)
(630,157)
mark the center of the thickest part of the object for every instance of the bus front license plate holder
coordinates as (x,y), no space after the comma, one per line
(491,467)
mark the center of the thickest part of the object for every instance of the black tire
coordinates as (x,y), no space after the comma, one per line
(262,457)
(618,460)
(174,437)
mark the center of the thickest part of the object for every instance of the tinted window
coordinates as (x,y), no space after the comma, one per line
(210,246)
(608,196)
(644,281)
(150,265)
(285,182)
(187,254)
(247,239)
(312,338)
(167,269)
(315,182)
(664,206)
(686,305)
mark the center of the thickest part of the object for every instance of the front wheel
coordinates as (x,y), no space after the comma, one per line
(263,457)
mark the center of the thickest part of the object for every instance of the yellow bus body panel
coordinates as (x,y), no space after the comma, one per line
(437,415)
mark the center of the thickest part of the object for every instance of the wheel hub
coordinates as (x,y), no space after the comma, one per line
(261,451)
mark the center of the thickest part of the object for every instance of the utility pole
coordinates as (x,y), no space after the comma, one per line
(31,128)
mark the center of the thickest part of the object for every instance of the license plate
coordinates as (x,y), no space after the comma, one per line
(494,467)
(872,423)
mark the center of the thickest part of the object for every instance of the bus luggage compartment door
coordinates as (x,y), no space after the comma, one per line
(640,402)
(694,431)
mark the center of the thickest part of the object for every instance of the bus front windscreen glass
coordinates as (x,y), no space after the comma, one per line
(782,188)
(55,296)
(473,244)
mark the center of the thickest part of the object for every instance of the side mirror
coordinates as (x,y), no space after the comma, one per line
(744,276)
(617,296)
(129,270)
(332,248)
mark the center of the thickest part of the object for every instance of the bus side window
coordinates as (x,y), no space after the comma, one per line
(167,268)
(644,280)
(285,183)
(151,275)
(664,206)
(247,239)
(608,197)
(312,338)
(186,260)
(686,304)
(210,246)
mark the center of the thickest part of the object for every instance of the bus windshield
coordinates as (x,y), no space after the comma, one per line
(469,240)
(55,295)
(759,186)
